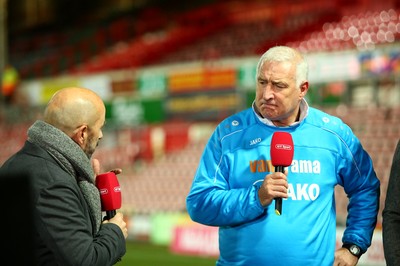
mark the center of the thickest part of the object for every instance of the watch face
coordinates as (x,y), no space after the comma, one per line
(355,250)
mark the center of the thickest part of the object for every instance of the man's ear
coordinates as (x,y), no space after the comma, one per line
(303,89)
(80,134)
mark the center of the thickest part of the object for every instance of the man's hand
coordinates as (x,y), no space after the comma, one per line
(275,185)
(118,219)
(97,169)
(343,257)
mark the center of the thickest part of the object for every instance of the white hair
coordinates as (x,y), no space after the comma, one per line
(284,54)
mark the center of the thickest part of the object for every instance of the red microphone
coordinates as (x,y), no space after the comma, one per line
(282,150)
(110,193)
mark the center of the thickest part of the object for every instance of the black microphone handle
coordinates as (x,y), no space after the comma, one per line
(110,214)
(278,201)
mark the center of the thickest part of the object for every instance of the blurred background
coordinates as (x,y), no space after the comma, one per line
(169,71)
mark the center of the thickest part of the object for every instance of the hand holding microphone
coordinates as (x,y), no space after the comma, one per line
(110,196)
(274,186)
(118,219)
(282,150)
(110,193)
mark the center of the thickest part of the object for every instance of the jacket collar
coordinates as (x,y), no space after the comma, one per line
(303,114)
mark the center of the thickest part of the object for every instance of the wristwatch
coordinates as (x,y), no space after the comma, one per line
(354,249)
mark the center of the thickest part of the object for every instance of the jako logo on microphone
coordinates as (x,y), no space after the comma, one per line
(285,147)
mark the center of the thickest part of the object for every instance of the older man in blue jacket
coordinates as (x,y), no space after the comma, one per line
(235,182)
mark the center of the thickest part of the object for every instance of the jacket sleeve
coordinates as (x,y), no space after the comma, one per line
(362,187)
(391,213)
(211,201)
(70,237)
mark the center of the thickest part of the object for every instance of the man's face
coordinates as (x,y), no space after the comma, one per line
(95,133)
(277,96)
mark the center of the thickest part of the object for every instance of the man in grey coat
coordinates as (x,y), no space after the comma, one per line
(68,227)
(391,214)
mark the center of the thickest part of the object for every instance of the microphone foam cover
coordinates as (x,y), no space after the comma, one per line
(282,149)
(110,191)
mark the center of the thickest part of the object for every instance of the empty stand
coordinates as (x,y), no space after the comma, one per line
(161,185)
(363,31)
(221,30)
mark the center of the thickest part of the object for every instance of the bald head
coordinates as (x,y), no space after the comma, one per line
(72,107)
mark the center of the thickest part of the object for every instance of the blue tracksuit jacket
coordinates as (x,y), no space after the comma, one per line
(233,166)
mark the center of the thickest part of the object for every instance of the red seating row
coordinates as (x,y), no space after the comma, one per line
(245,29)
(362,31)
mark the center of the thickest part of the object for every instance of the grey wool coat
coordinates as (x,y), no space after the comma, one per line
(63,230)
